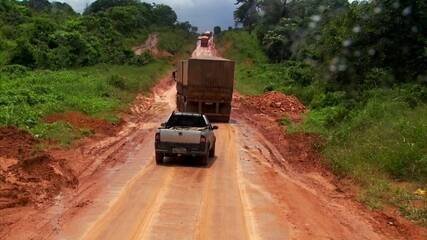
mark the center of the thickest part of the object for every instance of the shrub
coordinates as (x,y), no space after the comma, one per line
(118,82)
(301,73)
(14,71)
(142,59)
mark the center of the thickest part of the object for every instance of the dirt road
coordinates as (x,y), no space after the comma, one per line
(242,194)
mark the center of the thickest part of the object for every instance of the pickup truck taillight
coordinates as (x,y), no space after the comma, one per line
(157,137)
(202,139)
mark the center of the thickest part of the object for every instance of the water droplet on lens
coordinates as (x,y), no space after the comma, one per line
(332,68)
(356,29)
(414,29)
(347,43)
(334,60)
(342,67)
(312,24)
(371,52)
(357,53)
(407,11)
(377,10)
(316,18)
(396,4)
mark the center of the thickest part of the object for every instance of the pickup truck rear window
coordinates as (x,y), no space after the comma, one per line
(186,121)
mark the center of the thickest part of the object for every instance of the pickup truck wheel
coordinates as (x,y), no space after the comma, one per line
(159,158)
(205,159)
(212,151)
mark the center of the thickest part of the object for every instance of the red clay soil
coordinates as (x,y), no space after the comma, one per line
(81,120)
(300,150)
(264,111)
(151,46)
(27,174)
(275,104)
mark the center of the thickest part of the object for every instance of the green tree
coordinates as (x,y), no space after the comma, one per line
(217,30)
(38,5)
(62,8)
(128,19)
(273,11)
(164,15)
(103,5)
(247,13)
(279,40)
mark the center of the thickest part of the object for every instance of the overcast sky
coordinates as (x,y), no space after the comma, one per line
(205,14)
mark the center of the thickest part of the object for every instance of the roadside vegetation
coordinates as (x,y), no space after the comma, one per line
(100,91)
(53,59)
(361,69)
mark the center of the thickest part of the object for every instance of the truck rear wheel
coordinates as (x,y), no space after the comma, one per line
(212,151)
(159,158)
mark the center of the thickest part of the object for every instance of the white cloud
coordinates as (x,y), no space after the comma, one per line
(202,13)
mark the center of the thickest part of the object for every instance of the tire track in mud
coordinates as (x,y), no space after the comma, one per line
(133,208)
(223,213)
(292,203)
(242,194)
(133,148)
(177,211)
(183,201)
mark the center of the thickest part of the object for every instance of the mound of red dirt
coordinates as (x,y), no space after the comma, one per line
(27,174)
(275,104)
(14,143)
(264,111)
(81,120)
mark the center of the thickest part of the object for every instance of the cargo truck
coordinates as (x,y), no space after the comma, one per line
(205,85)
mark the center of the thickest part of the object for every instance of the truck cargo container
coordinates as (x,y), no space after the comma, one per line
(205,85)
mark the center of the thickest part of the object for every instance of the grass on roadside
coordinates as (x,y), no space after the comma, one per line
(380,145)
(100,91)
(240,46)
(379,141)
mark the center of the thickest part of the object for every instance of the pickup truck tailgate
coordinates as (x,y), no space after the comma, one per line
(176,136)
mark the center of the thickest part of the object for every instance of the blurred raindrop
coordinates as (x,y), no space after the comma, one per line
(322,8)
(357,53)
(332,68)
(342,67)
(335,60)
(357,29)
(312,24)
(316,18)
(414,29)
(371,51)
(396,5)
(378,10)
(407,11)
(347,43)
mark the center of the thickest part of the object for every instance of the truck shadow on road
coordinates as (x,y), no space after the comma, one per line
(187,162)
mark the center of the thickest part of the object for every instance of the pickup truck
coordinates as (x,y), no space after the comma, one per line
(187,134)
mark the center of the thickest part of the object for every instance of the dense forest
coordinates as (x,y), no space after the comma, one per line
(361,67)
(53,59)
(40,34)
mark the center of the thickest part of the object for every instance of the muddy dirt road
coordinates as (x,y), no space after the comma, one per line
(242,194)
